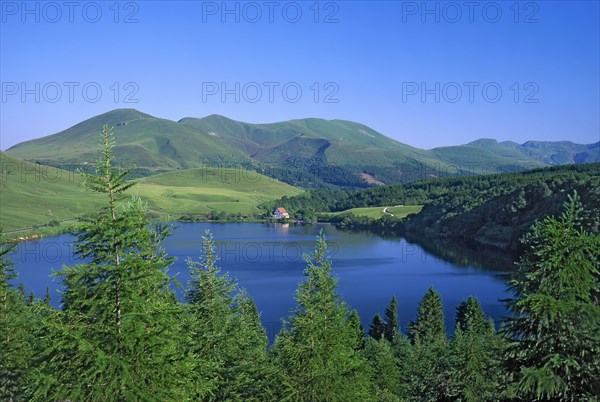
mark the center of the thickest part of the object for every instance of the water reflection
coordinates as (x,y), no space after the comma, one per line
(267,260)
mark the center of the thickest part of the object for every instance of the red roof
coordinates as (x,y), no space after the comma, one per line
(282,210)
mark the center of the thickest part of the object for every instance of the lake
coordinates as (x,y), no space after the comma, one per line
(266,259)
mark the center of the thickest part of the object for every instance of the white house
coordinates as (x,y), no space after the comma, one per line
(281,213)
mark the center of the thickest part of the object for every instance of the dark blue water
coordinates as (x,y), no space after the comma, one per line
(267,261)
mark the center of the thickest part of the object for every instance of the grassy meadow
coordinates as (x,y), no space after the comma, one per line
(33,195)
(377,212)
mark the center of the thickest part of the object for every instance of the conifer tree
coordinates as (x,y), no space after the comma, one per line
(428,378)
(386,374)
(555,341)
(316,350)
(429,326)
(119,335)
(475,356)
(391,320)
(377,327)
(358,329)
(226,332)
(16,344)
(470,317)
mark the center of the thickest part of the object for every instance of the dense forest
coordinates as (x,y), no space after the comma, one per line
(122,335)
(492,210)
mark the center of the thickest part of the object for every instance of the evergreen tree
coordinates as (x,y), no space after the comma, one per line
(428,378)
(210,298)
(120,334)
(377,327)
(475,356)
(252,371)
(226,332)
(358,329)
(47,297)
(316,349)
(555,341)
(15,332)
(429,326)
(391,320)
(470,317)
(386,375)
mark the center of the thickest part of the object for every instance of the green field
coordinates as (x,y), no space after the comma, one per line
(377,212)
(198,191)
(34,195)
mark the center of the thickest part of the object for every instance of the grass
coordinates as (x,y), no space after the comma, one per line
(198,191)
(34,195)
(377,212)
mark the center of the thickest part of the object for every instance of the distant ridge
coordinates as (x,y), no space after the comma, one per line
(307,152)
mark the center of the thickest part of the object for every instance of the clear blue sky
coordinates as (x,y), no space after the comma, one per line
(374,58)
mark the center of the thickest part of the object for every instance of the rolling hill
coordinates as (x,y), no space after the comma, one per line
(141,139)
(34,194)
(205,190)
(304,152)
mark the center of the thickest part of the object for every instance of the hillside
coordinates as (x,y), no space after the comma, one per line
(141,139)
(210,191)
(547,152)
(491,210)
(34,194)
(304,152)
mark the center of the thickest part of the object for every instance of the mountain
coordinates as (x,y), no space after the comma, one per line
(547,152)
(304,152)
(141,139)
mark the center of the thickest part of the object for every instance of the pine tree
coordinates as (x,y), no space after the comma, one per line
(555,341)
(16,343)
(119,335)
(226,332)
(429,326)
(358,329)
(386,375)
(470,317)
(428,378)
(475,356)
(210,298)
(316,349)
(391,320)
(252,372)
(377,327)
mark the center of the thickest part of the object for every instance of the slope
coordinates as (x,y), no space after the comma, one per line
(141,139)
(33,194)
(307,152)
(206,190)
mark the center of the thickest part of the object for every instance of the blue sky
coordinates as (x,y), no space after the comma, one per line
(426,74)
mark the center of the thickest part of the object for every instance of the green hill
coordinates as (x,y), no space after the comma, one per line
(545,152)
(141,139)
(491,210)
(34,194)
(201,191)
(304,152)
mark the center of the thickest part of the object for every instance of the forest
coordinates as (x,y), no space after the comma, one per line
(490,210)
(122,335)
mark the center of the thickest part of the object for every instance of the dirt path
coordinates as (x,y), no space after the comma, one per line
(385,210)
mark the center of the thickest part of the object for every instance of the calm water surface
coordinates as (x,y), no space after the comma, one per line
(267,261)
